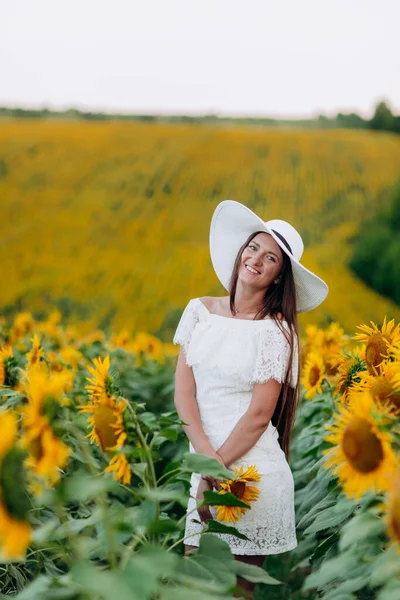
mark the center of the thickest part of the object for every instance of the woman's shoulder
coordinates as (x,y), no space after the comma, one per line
(220,306)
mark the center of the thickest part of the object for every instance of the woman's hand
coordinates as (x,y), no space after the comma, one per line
(204,511)
(214,482)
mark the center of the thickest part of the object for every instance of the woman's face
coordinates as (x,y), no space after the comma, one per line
(264,256)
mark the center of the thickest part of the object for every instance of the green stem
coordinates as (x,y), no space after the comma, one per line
(100,499)
(149,459)
(169,473)
(168,536)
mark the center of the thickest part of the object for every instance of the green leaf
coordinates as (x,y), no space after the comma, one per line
(169,433)
(34,590)
(316,509)
(332,516)
(225,499)
(81,487)
(218,527)
(139,469)
(162,526)
(254,574)
(213,563)
(149,419)
(390,591)
(385,567)
(180,593)
(332,569)
(109,586)
(163,495)
(206,465)
(362,526)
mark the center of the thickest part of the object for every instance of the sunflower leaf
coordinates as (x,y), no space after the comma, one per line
(225,499)
(254,574)
(361,526)
(206,465)
(218,527)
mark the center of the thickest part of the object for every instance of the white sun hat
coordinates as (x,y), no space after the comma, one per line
(233,222)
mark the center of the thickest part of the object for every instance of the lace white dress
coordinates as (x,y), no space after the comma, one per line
(227,357)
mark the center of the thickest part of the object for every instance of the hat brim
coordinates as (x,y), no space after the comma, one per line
(231,224)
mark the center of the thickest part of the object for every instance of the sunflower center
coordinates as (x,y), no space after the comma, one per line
(238,488)
(104,418)
(375,351)
(363,449)
(35,448)
(315,374)
(13,484)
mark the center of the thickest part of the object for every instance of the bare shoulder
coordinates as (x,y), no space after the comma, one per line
(209,302)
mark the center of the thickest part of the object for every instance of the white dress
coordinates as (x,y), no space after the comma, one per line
(227,357)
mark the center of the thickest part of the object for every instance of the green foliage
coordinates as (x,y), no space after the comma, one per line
(376,249)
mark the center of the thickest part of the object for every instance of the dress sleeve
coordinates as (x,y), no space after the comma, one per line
(186,325)
(272,358)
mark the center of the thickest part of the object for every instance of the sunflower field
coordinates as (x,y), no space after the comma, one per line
(109,221)
(95,472)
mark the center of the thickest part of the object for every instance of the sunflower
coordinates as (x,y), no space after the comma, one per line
(332,346)
(121,339)
(239,488)
(47,453)
(378,342)
(149,345)
(384,387)
(313,375)
(23,323)
(36,355)
(15,530)
(108,432)
(101,384)
(362,456)
(7,363)
(351,367)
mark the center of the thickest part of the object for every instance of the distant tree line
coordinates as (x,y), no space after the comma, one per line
(383,118)
(376,248)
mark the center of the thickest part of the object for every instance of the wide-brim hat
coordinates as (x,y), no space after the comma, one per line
(232,223)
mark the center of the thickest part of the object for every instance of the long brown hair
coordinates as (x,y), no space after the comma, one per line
(280,298)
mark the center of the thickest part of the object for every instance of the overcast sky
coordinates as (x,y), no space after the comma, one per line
(279,58)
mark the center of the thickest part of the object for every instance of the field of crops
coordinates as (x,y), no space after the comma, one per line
(109,222)
(95,474)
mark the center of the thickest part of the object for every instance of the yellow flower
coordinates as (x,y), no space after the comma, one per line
(6,364)
(70,355)
(362,456)
(47,453)
(121,339)
(149,345)
(109,433)
(120,466)
(36,355)
(239,488)
(15,530)
(101,386)
(384,387)
(313,375)
(350,369)
(378,342)
(23,324)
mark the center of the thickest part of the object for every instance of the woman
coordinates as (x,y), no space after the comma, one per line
(237,374)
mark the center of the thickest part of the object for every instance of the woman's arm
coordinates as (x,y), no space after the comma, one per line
(188,409)
(253,423)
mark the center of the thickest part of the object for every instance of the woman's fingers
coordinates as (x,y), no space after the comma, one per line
(205,514)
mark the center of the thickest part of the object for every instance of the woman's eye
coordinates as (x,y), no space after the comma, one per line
(270,256)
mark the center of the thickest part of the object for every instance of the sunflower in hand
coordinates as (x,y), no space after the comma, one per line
(239,488)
